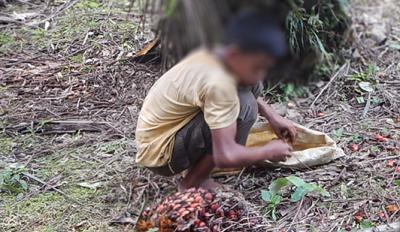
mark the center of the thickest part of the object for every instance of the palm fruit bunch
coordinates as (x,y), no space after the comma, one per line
(200,210)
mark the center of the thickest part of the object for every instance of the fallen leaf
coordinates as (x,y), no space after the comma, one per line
(80,224)
(392,208)
(366,86)
(123,220)
(391,163)
(321,114)
(93,186)
(152,44)
(398,169)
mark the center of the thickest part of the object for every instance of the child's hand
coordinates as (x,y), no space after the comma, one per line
(278,151)
(283,128)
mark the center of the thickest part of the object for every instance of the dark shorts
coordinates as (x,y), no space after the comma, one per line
(193,141)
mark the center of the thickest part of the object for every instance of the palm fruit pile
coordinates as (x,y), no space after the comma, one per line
(201,210)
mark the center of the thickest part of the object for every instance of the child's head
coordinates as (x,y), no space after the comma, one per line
(252,44)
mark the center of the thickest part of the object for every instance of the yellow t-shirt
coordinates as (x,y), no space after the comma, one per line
(197,83)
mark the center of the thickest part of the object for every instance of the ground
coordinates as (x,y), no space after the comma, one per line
(70,95)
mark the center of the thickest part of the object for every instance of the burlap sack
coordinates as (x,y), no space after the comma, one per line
(311,148)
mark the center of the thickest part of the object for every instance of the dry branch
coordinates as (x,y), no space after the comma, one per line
(58,127)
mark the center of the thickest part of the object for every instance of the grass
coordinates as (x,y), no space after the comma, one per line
(51,211)
(6,145)
(84,20)
(46,210)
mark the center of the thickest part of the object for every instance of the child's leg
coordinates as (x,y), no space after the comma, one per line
(199,174)
(197,137)
(192,150)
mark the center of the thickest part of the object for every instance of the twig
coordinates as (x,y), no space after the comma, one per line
(239,176)
(334,182)
(380,159)
(51,187)
(365,111)
(140,213)
(296,215)
(330,82)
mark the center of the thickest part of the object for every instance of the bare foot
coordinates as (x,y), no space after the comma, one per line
(210,184)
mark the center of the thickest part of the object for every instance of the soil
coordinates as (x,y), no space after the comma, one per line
(70,94)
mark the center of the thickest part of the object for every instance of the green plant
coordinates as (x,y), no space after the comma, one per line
(375,149)
(286,91)
(338,133)
(272,200)
(397,182)
(357,138)
(273,196)
(365,76)
(366,224)
(11,179)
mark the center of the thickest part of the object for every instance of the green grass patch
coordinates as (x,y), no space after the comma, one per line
(71,167)
(78,58)
(88,4)
(7,43)
(5,39)
(6,144)
(82,193)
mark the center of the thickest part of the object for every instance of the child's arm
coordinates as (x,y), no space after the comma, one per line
(282,127)
(229,154)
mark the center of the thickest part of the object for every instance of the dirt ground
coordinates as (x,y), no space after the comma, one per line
(70,95)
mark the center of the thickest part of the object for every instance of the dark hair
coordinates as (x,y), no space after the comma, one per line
(254,31)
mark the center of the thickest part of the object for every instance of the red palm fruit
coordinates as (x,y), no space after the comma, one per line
(197,222)
(181,210)
(220,212)
(214,206)
(215,228)
(354,147)
(185,212)
(380,138)
(198,199)
(161,208)
(208,197)
(175,207)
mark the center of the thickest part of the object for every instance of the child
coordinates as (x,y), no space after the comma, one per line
(198,115)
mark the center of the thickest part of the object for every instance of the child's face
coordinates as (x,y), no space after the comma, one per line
(249,68)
